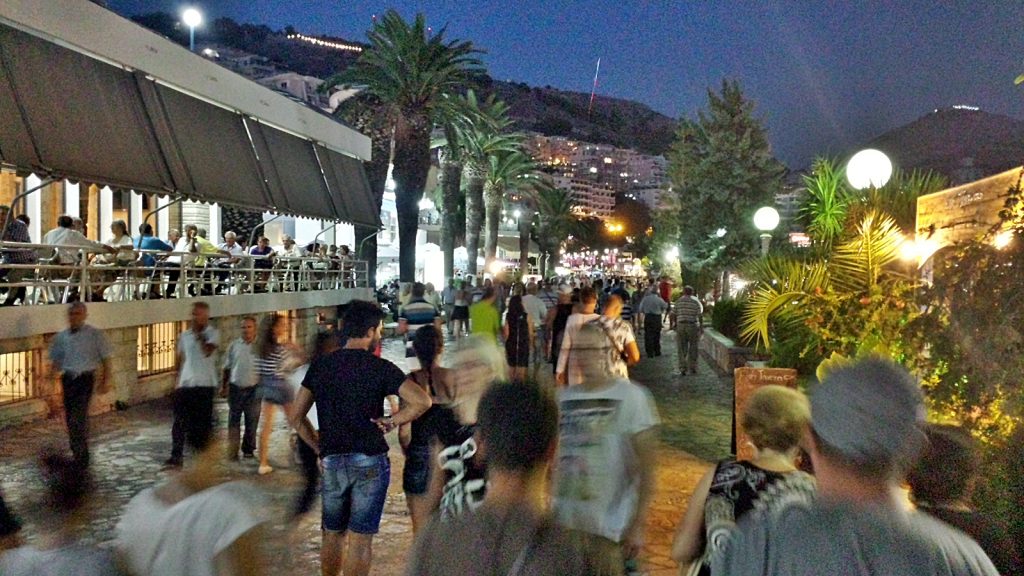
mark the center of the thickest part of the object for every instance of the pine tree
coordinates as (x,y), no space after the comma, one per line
(722,170)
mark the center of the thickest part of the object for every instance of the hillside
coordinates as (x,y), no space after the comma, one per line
(546,110)
(963,144)
(554,112)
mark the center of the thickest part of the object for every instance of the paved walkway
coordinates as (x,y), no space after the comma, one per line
(128,449)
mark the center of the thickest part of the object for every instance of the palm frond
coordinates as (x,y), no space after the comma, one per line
(825,209)
(858,263)
(775,296)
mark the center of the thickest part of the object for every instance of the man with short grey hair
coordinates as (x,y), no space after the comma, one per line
(688,322)
(866,433)
(77,353)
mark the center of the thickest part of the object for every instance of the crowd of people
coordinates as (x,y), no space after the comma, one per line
(507,473)
(162,260)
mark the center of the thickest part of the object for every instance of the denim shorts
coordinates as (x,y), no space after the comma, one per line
(353,489)
(416,474)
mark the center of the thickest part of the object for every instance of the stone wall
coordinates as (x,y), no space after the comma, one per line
(128,388)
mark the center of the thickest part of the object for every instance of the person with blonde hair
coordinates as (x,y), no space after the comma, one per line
(458,482)
(775,418)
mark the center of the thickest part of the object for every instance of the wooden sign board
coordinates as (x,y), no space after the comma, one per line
(746,382)
(965,212)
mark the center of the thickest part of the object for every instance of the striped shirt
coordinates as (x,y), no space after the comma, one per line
(271,367)
(688,310)
(416,314)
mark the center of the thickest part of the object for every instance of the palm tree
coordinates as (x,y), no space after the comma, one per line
(366,113)
(782,285)
(824,212)
(481,137)
(410,70)
(554,223)
(507,170)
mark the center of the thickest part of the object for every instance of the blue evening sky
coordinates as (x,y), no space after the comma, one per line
(826,76)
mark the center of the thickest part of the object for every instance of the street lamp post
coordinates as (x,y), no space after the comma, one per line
(766,219)
(192,18)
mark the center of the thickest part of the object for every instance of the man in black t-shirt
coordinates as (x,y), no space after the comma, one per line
(349,387)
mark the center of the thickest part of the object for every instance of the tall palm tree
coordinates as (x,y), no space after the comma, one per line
(366,113)
(410,70)
(507,170)
(555,221)
(483,136)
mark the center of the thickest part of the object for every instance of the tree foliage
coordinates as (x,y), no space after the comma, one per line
(722,168)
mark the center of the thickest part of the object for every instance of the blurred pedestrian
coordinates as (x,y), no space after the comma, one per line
(197,380)
(324,344)
(606,465)
(567,373)
(458,481)
(419,438)
(349,387)
(652,309)
(77,353)
(57,552)
(275,359)
(942,485)
(624,351)
(518,333)
(510,532)
(775,418)
(866,432)
(460,308)
(415,314)
(557,318)
(192,524)
(484,318)
(238,383)
(10,527)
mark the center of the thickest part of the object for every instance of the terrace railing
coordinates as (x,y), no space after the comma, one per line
(174,275)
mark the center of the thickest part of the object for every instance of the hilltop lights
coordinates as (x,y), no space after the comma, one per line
(325,43)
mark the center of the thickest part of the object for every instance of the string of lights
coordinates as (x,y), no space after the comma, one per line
(325,43)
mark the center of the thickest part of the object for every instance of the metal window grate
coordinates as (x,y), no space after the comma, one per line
(157,346)
(18,373)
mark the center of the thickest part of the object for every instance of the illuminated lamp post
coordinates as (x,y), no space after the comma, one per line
(868,169)
(192,18)
(766,219)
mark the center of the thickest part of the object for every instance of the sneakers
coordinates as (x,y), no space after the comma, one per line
(173,462)
(265,469)
(248,455)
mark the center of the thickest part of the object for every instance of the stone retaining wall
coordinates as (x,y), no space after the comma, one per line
(723,353)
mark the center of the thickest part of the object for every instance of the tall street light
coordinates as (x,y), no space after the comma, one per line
(192,18)
(766,219)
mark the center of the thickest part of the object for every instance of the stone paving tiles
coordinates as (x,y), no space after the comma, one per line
(129,447)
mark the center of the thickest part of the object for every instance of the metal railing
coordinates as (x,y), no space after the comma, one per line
(67,273)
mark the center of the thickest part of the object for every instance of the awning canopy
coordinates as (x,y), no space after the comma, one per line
(70,113)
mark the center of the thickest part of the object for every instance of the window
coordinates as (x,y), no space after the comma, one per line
(18,372)
(157,347)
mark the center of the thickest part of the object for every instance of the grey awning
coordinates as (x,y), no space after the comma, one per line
(67,113)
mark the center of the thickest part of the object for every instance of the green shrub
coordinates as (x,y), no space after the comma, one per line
(726,316)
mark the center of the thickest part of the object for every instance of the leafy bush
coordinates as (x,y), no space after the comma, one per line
(726,317)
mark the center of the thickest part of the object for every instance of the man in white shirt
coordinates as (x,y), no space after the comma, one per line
(291,250)
(234,250)
(652,309)
(238,384)
(65,235)
(197,381)
(607,457)
(567,374)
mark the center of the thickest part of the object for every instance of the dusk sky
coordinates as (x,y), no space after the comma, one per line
(826,76)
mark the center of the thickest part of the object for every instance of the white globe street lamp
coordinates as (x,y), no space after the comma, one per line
(766,219)
(868,168)
(192,18)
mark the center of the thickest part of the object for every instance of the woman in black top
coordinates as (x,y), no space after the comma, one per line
(418,438)
(518,333)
